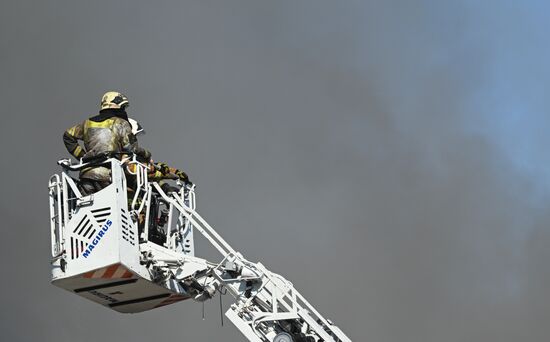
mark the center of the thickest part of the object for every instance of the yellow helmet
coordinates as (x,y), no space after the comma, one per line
(114,99)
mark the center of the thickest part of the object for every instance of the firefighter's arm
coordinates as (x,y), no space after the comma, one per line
(70,139)
(182,176)
(163,171)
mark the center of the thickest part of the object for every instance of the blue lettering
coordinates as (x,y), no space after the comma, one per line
(97,238)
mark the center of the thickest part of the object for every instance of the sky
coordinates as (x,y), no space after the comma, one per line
(387,157)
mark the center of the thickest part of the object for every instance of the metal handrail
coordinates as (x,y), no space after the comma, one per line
(55,214)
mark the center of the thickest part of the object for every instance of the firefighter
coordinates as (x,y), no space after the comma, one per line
(159,171)
(108,132)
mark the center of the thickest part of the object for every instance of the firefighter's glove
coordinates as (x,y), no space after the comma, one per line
(182,176)
(163,168)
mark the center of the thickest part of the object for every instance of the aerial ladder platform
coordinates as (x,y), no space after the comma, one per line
(131,248)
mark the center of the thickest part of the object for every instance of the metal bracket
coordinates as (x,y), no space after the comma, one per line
(85,201)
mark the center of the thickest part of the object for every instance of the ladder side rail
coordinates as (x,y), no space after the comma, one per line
(146,201)
(282,306)
(142,181)
(325,322)
(55,214)
(219,245)
(264,293)
(60,214)
(289,300)
(203,230)
(257,314)
(223,251)
(246,316)
(271,282)
(169,227)
(64,208)
(294,296)
(65,202)
(310,308)
(294,312)
(190,211)
(269,290)
(187,240)
(71,185)
(192,198)
(196,218)
(180,229)
(340,334)
(68,203)
(278,310)
(137,175)
(140,175)
(144,174)
(297,300)
(187,234)
(183,223)
(62,186)
(242,325)
(316,327)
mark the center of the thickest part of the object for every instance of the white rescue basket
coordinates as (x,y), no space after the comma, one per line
(95,243)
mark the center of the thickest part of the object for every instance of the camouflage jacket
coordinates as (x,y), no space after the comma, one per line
(107,132)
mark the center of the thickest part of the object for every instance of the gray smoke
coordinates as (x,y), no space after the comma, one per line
(368,151)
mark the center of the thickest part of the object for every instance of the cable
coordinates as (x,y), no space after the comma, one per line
(221,310)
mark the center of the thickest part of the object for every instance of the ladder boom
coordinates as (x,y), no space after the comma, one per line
(263,298)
